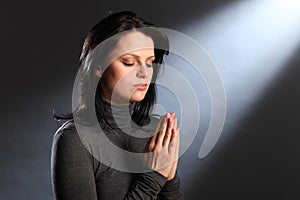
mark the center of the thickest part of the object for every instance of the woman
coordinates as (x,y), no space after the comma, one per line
(122,55)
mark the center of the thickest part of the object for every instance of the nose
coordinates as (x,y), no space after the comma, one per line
(142,71)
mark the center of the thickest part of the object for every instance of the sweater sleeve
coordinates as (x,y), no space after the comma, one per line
(146,186)
(71,168)
(171,190)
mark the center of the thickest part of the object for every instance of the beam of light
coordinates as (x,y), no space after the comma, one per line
(250,42)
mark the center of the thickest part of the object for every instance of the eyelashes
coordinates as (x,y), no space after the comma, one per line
(129,64)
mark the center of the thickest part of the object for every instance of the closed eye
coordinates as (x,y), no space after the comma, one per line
(149,64)
(128,63)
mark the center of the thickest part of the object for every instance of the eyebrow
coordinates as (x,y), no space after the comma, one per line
(137,56)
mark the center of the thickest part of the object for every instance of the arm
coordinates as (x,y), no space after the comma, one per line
(71,168)
(171,190)
(146,186)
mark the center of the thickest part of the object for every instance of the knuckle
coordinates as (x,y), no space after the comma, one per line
(151,146)
(168,134)
(156,149)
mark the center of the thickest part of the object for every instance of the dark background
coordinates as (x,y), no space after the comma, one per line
(40,46)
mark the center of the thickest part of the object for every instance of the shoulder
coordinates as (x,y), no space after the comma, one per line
(66,139)
(66,131)
(67,145)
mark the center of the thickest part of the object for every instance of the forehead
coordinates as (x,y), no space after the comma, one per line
(134,42)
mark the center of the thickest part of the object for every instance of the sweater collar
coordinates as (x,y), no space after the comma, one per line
(117,116)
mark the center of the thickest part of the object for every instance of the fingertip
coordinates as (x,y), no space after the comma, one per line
(172,114)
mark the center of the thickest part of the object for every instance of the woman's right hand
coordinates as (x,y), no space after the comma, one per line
(163,147)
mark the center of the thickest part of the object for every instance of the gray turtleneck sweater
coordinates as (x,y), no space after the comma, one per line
(79,174)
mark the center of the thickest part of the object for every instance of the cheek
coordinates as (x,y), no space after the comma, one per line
(115,76)
(123,81)
(150,74)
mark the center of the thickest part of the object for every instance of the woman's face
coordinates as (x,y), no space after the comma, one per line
(128,77)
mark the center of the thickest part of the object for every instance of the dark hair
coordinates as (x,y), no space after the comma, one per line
(110,26)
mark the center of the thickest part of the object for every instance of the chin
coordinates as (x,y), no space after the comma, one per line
(137,97)
(136,100)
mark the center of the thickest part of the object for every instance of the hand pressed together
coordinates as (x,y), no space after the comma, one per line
(163,147)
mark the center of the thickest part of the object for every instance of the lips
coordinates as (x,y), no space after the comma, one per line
(142,86)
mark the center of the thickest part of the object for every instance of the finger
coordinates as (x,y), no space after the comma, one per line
(174,143)
(172,114)
(161,135)
(174,153)
(174,121)
(174,126)
(168,133)
(178,138)
(152,140)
